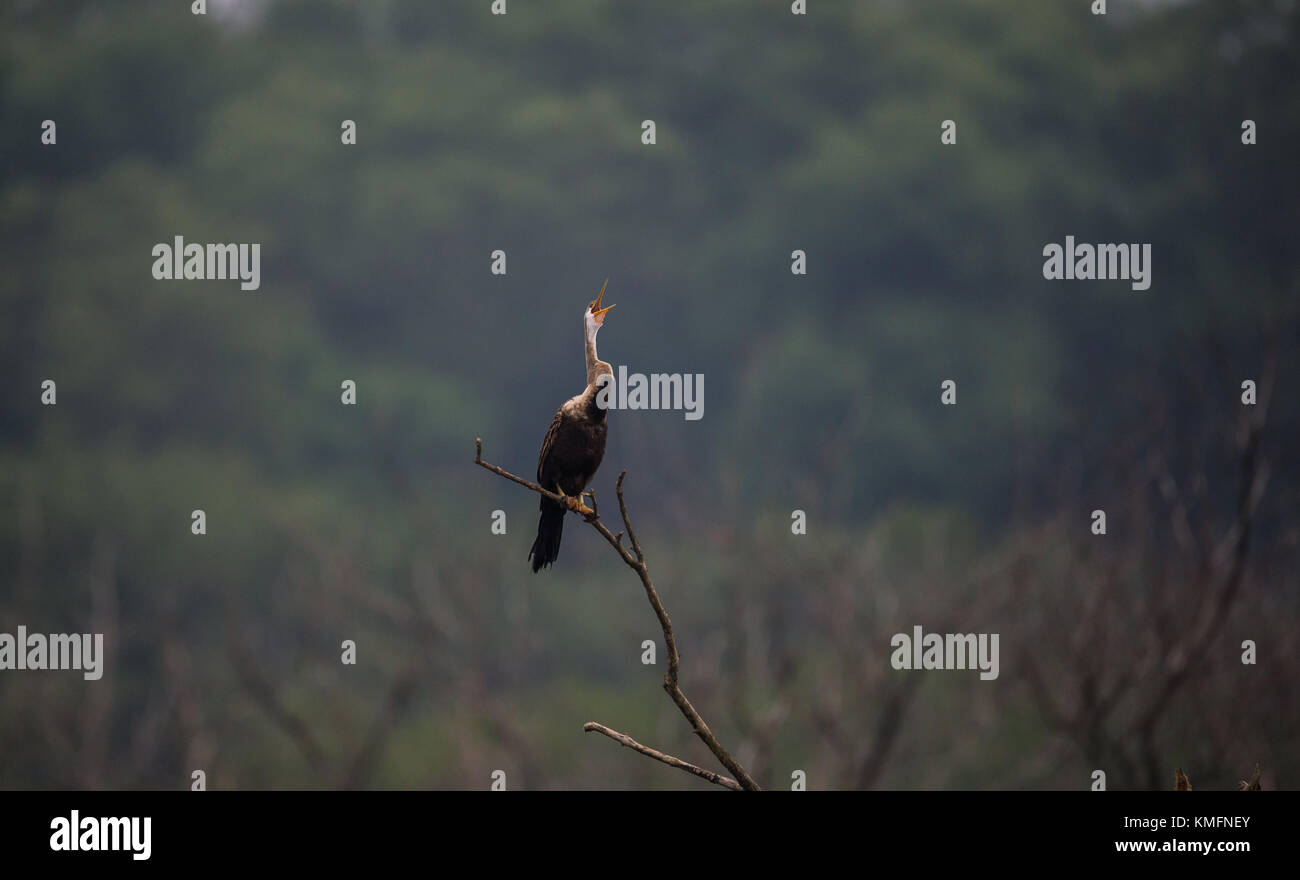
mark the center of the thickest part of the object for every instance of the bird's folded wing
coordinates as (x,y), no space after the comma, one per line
(546,444)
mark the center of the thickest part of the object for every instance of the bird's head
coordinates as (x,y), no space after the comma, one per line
(595,315)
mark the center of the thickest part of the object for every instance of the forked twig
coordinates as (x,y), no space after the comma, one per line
(593,727)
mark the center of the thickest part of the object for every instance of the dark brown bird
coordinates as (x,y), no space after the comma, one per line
(574,444)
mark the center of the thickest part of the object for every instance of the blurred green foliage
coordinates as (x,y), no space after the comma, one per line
(523,133)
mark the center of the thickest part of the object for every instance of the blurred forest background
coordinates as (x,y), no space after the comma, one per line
(775,132)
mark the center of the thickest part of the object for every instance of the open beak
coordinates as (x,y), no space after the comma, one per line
(596,311)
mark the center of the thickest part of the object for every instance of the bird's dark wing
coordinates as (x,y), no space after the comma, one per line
(546,447)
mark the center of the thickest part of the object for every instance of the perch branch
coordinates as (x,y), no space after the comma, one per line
(593,727)
(635,559)
(574,505)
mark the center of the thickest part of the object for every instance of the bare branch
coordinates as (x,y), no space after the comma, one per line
(622,508)
(637,563)
(574,505)
(593,727)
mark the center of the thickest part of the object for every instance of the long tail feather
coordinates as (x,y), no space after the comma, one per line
(550,527)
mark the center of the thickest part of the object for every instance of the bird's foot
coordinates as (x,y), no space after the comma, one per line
(569,502)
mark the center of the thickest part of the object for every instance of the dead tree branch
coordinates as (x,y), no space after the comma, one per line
(593,727)
(635,559)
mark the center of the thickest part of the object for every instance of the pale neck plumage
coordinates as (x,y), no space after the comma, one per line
(595,366)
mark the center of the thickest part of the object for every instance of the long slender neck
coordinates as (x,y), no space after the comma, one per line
(595,366)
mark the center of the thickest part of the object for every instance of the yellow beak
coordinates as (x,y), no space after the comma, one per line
(600,313)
